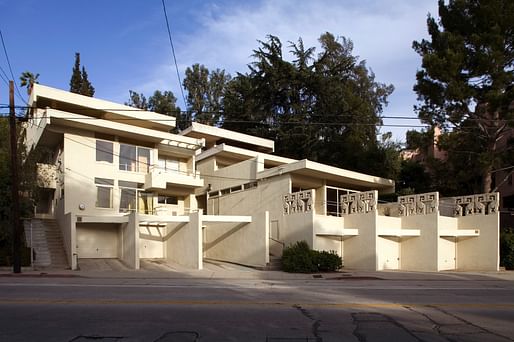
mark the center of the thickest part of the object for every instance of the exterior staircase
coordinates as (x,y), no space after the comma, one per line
(275,263)
(47,243)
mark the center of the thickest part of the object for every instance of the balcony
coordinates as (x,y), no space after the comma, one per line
(159,178)
(46,176)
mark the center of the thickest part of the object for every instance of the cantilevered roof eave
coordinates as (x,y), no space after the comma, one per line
(314,169)
(213,134)
(164,122)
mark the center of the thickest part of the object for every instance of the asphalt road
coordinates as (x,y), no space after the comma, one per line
(336,309)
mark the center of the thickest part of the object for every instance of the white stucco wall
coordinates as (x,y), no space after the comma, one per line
(360,250)
(130,241)
(244,243)
(419,253)
(328,224)
(151,244)
(481,252)
(185,245)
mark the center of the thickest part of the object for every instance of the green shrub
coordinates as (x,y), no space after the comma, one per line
(507,248)
(299,258)
(327,261)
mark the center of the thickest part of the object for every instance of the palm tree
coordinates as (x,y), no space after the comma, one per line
(27,79)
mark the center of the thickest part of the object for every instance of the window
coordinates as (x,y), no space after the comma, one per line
(167,200)
(104,151)
(169,164)
(143,159)
(333,200)
(134,158)
(104,192)
(127,157)
(128,195)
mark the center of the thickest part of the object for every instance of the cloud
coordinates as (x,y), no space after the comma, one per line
(382,32)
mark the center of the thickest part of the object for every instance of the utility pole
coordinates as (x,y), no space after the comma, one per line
(15,201)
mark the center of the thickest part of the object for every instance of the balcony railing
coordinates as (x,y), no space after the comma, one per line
(159,177)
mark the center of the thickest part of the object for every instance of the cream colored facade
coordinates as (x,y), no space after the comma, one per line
(116,181)
(121,186)
(336,209)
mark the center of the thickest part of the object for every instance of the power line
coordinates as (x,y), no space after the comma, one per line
(10,68)
(173,53)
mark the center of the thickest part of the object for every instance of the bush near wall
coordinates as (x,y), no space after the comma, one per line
(507,248)
(299,258)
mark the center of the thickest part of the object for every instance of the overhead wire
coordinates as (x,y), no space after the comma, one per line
(10,68)
(173,53)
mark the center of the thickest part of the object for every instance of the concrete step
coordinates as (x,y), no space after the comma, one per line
(47,243)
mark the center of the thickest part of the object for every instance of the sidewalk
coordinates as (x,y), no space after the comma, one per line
(222,270)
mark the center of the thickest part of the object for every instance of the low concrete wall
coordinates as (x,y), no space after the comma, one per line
(243,243)
(185,245)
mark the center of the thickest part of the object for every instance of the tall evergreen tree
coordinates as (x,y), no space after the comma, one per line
(325,108)
(467,75)
(86,87)
(79,82)
(76,76)
(205,93)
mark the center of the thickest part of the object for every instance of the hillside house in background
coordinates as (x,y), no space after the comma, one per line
(118,185)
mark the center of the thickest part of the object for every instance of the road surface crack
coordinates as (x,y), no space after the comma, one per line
(315,322)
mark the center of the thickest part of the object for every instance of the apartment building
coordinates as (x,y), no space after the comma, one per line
(119,185)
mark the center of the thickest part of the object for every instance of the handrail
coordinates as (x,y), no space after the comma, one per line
(188,172)
(280,242)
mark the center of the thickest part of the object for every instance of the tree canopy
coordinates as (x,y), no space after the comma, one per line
(323,107)
(205,93)
(466,79)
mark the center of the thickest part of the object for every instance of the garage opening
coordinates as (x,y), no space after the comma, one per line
(98,240)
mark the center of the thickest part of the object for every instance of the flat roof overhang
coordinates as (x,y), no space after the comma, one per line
(241,154)
(116,128)
(347,178)
(43,97)
(213,135)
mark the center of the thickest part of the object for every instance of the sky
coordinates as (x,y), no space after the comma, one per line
(124,44)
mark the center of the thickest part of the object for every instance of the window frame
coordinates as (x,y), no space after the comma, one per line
(102,150)
(103,184)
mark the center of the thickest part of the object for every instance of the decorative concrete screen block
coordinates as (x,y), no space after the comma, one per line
(421,204)
(481,204)
(297,202)
(358,203)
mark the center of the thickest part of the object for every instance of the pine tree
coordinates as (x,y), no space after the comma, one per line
(466,80)
(76,76)
(86,87)
(79,82)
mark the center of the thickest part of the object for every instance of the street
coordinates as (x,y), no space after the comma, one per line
(331,307)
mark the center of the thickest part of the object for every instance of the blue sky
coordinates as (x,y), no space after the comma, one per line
(124,44)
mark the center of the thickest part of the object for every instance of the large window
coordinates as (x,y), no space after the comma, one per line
(134,158)
(104,151)
(132,197)
(104,192)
